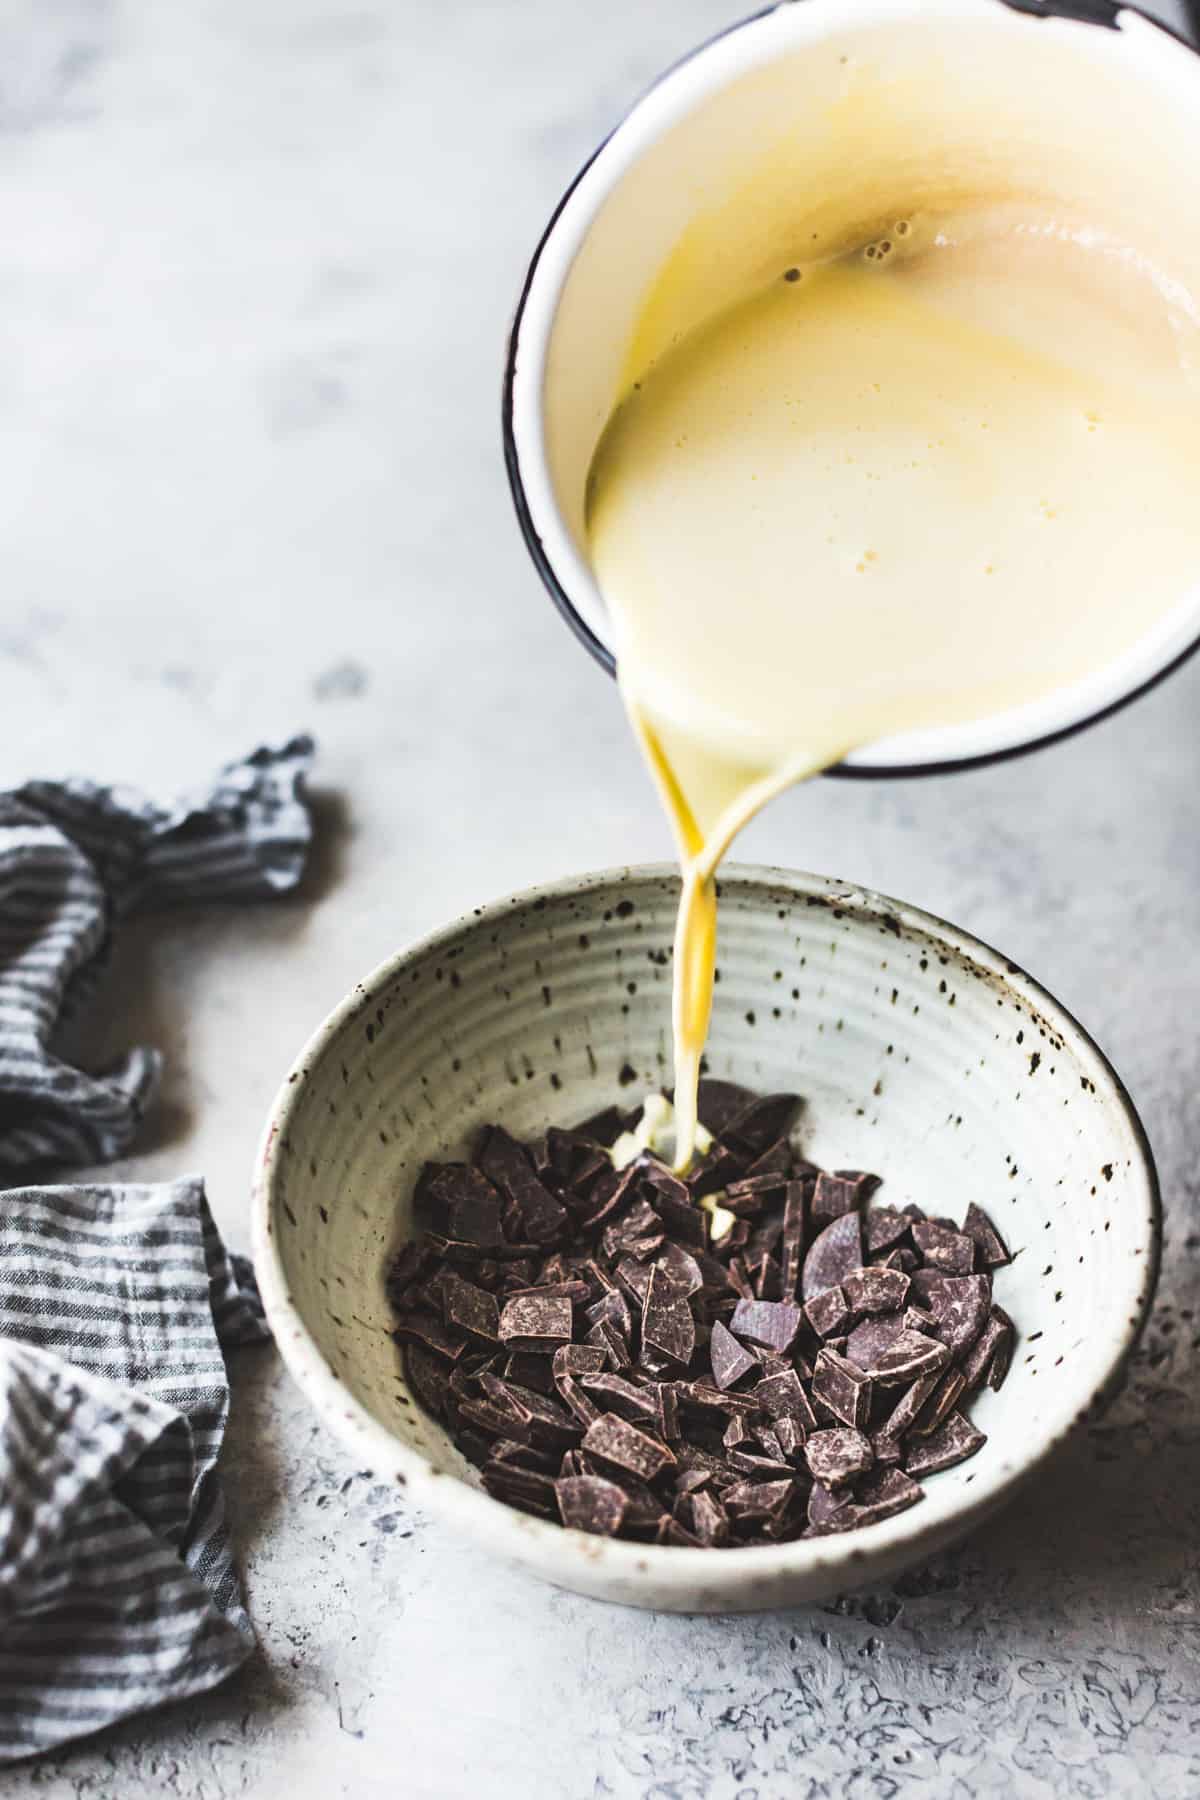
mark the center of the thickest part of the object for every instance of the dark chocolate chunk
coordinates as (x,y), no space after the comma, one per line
(522,1488)
(960,1304)
(529,1370)
(782,1396)
(951,1443)
(791,1433)
(872,1291)
(543,1220)
(590,1503)
(868,1341)
(573,1396)
(909,1354)
(429,1378)
(670,1531)
(469,1309)
(762,1122)
(406,1271)
(578,1359)
(827,1312)
(668,1328)
(704,1516)
(624,1446)
(883,1493)
(676,1206)
(942,1401)
(758,1499)
(536,1323)
(990,1250)
(838,1456)
(729,1360)
(682,1268)
(886,1228)
(613,1393)
(792,1237)
(886,1441)
(706,1397)
(843,1388)
(718,1102)
(424,1328)
(950,1251)
(772,1323)
(606,1336)
(824,1506)
(836,1253)
(634,1277)
(832,1197)
(1004,1350)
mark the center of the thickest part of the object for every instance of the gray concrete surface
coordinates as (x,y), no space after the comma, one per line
(258,257)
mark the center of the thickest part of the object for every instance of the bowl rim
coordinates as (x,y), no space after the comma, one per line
(554,1551)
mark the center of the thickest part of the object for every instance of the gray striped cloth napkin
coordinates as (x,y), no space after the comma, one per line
(118,1589)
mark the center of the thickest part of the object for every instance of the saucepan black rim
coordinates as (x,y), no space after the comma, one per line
(1102,13)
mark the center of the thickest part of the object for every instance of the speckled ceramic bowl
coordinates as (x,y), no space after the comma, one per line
(922,1054)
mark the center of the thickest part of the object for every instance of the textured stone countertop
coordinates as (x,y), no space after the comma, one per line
(258,261)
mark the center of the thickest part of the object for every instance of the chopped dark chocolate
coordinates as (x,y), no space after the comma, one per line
(772,1323)
(950,1251)
(832,1197)
(469,1309)
(990,1250)
(533,1323)
(590,1503)
(614,1441)
(838,1455)
(719,1102)
(728,1358)
(842,1388)
(836,1253)
(668,1328)
(827,1312)
(951,1443)
(602,1365)
(872,1291)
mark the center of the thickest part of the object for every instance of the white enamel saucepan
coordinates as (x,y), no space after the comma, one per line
(1079,103)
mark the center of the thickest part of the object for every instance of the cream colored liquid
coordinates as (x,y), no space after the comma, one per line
(902,490)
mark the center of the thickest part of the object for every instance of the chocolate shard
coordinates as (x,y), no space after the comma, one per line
(738,1431)
(578,1359)
(704,1516)
(990,1249)
(608,1201)
(772,1323)
(460,1203)
(682,1269)
(675,1205)
(761,1468)
(521,1488)
(543,1220)
(613,1393)
(868,1341)
(875,1290)
(758,1499)
(941,1402)
(886,1228)
(791,1433)
(824,1506)
(887,1440)
(782,1396)
(917,1318)
(762,1122)
(614,1343)
(795,1208)
(670,1531)
(405,1272)
(828,1313)
(832,1197)
(950,1251)
(838,1456)
(470,1309)
(634,1277)
(613,1307)
(1004,1350)
(718,1102)
(909,1354)
(883,1493)
(951,1443)
(623,1446)
(668,1328)
(426,1329)
(428,1377)
(590,1503)
(834,1254)
(961,1305)
(768,1278)
(710,1174)
(545,1420)
(573,1397)
(536,1323)
(843,1388)
(728,1359)
(706,1397)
